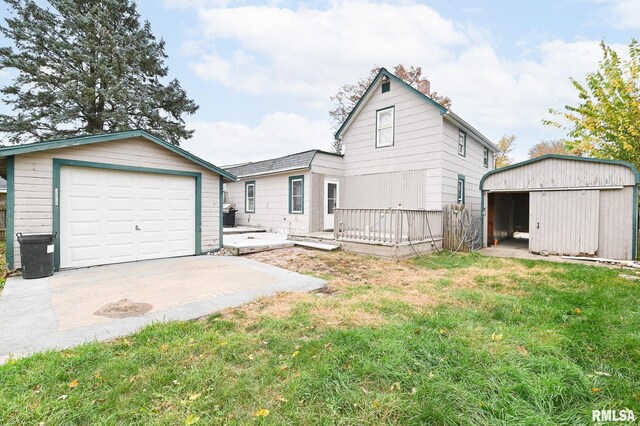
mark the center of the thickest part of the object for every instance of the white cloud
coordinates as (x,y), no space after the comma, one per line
(307,53)
(277,134)
(625,13)
(311,52)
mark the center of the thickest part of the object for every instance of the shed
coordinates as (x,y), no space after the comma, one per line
(111,198)
(564,205)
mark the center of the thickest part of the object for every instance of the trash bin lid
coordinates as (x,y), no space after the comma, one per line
(35,238)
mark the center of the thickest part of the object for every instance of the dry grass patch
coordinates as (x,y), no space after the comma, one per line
(361,287)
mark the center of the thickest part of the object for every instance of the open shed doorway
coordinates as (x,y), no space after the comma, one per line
(508,219)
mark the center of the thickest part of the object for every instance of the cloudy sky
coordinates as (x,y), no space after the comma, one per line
(263,73)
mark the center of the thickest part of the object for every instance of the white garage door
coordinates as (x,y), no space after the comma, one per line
(109,216)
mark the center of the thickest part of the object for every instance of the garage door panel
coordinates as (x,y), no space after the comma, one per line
(100,209)
(564,222)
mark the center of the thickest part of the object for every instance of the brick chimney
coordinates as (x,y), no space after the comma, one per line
(424,86)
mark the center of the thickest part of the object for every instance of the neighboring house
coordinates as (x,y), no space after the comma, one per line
(112,198)
(285,194)
(568,205)
(401,149)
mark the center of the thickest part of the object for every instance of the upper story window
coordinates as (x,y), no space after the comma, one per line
(384,127)
(462,143)
(250,197)
(386,87)
(486,157)
(296,194)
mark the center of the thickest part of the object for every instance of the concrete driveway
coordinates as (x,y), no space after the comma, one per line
(60,311)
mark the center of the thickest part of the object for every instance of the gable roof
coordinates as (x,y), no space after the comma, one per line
(633,168)
(109,137)
(297,161)
(443,111)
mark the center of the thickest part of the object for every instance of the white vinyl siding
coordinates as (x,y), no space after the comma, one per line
(384,127)
(272,203)
(34,183)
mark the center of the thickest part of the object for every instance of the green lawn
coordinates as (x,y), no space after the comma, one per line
(443,340)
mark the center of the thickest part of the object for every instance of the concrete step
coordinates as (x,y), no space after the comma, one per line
(319,246)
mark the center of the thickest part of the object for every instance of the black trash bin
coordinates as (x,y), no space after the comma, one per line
(36,255)
(229,218)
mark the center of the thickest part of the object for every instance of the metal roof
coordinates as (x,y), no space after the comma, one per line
(109,137)
(562,157)
(300,160)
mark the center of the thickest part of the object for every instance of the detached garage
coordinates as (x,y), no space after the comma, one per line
(112,198)
(563,205)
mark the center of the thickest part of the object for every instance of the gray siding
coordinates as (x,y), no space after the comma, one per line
(560,173)
(34,183)
(417,140)
(470,166)
(615,231)
(405,189)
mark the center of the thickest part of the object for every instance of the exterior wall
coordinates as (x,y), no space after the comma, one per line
(616,224)
(560,173)
(421,169)
(324,166)
(470,166)
(272,203)
(33,183)
(407,189)
(564,222)
(608,218)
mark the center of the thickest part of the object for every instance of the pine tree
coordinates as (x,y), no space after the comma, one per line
(86,67)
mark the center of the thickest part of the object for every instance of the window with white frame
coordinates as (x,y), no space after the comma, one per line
(384,125)
(460,189)
(462,143)
(296,194)
(250,197)
(486,157)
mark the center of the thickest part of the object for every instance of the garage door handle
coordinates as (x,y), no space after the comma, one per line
(138,228)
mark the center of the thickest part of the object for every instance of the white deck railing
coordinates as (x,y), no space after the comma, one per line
(388,226)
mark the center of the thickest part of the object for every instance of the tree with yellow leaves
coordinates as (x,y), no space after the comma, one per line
(606,122)
(505,146)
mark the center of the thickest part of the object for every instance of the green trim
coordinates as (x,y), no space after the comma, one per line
(464,188)
(109,137)
(563,157)
(291,179)
(246,184)
(482,219)
(58,163)
(634,238)
(220,212)
(464,148)
(374,83)
(10,211)
(393,127)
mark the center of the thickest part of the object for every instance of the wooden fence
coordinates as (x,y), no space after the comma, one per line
(388,226)
(459,231)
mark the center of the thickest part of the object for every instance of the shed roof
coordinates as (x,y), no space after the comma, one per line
(626,164)
(297,161)
(109,137)
(447,114)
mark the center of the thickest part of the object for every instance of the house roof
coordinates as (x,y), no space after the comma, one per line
(443,111)
(297,161)
(109,137)
(563,157)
